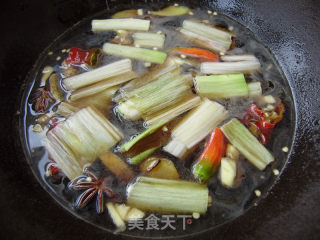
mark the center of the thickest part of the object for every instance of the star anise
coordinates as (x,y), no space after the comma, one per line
(93,186)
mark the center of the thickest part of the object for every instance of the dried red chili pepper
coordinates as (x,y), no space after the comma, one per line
(203,55)
(53,170)
(261,124)
(78,56)
(43,98)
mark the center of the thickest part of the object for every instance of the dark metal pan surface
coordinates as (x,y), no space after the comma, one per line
(289,29)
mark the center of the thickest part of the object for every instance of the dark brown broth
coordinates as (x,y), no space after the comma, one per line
(227,203)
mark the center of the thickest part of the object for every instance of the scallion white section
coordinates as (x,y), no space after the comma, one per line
(149,39)
(195,126)
(230,67)
(120,24)
(80,140)
(142,54)
(98,74)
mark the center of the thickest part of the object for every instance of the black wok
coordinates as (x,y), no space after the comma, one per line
(289,29)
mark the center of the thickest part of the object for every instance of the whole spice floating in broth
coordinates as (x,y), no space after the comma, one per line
(93,186)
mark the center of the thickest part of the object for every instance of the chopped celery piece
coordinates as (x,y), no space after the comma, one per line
(100,100)
(254,89)
(153,85)
(217,35)
(155,72)
(142,54)
(230,67)
(120,24)
(228,171)
(172,196)
(156,96)
(149,39)
(102,85)
(248,145)
(195,126)
(63,156)
(125,147)
(98,74)
(168,114)
(128,111)
(80,140)
(176,148)
(171,11)
(141,156)
(238,58)
(203,41)
(205,30)
(222,86)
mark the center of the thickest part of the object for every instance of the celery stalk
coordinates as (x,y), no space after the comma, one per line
(142,54)
(237,58)
(195,126)
(156,96)
(203,41)
(168,114)
(128,110)
(230,67)
(222,86)
(125,147)
(98,74)
(149,39)
(221,37)
(80,140)
(205,30)
(141,156)
(102,85)
(247,144)
(62,155)
(100,100)
(120,24)
(172,196)
(155,72)
(254,89)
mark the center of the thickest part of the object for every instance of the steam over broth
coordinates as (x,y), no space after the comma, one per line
(175,111)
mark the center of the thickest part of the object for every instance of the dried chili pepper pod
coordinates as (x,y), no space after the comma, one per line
(78,56)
